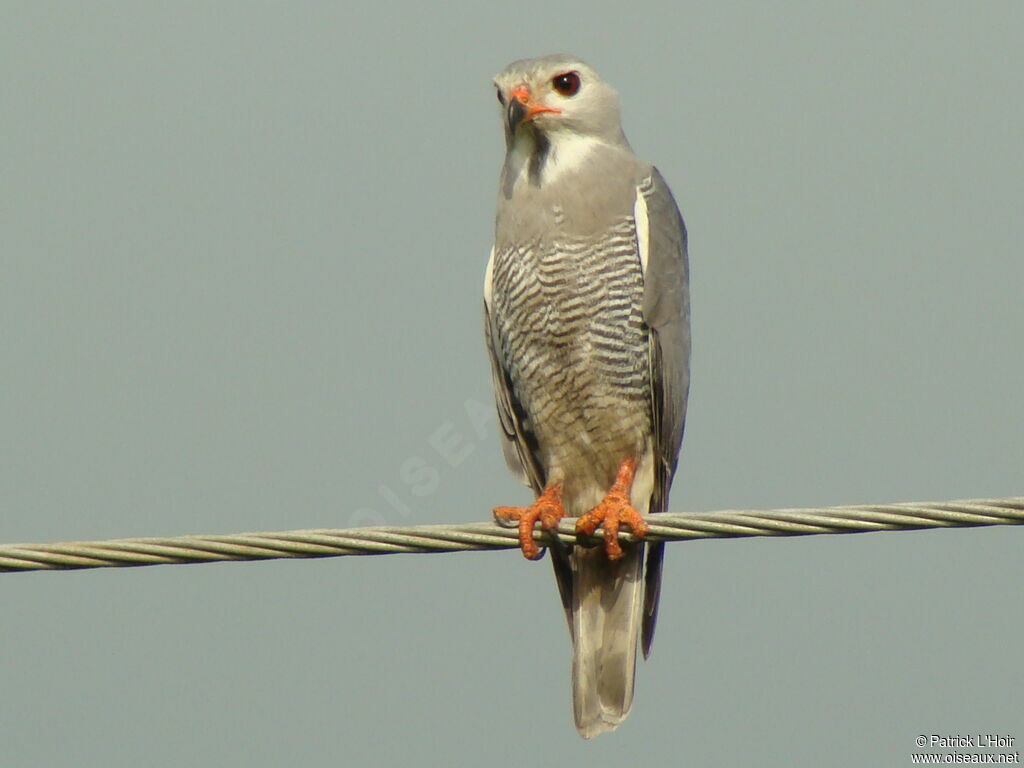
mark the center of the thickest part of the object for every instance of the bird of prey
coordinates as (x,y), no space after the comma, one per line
(586,303)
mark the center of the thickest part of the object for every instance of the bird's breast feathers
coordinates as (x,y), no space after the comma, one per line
(585,188)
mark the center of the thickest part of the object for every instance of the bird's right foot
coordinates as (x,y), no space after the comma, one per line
(547,508)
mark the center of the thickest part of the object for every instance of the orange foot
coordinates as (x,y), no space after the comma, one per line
(613,510)
(547,508)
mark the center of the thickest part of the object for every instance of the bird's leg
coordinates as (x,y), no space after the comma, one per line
(547,508)
(614,509)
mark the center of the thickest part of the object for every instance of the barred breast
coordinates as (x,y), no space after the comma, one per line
(568,319)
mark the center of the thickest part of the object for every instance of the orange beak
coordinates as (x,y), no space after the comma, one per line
(522,108)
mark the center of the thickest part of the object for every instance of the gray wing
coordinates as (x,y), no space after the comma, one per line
(518,444)
(617,601)
(666,311)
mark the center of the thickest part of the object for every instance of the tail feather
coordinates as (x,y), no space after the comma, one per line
(652,593)
(608,606)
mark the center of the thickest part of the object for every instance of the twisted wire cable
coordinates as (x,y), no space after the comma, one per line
(176,550)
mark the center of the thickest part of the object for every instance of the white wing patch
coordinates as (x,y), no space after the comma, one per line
(642,228)
(488,279)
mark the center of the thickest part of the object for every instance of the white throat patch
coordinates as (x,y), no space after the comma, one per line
(568,152)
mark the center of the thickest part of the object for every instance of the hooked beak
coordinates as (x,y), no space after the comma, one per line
(522,108)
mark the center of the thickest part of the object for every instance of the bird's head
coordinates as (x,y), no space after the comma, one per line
(554,95)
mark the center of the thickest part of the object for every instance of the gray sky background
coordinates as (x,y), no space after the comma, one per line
(242,248)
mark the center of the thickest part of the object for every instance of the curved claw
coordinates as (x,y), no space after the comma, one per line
(547,509)
(615,509)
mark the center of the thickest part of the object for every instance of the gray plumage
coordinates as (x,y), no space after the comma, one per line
(587,323)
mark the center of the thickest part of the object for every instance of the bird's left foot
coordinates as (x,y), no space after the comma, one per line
(615,509)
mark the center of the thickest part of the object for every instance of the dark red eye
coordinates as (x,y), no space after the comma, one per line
(567,83)
(501,99)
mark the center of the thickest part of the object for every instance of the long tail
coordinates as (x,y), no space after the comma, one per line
(607,611)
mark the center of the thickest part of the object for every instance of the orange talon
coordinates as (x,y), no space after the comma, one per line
(615,508)
(547,508)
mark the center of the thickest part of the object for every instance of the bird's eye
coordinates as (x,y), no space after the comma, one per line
(567,83)
(501,99)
